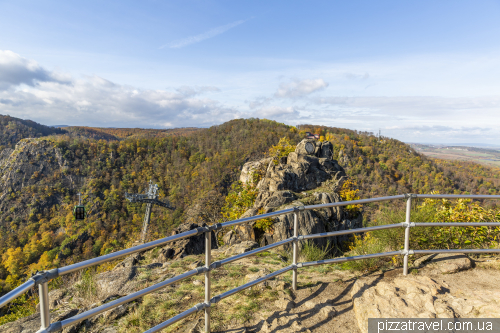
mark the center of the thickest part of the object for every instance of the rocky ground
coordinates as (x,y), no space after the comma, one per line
(328,298)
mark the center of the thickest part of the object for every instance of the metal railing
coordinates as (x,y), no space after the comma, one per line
(41,279)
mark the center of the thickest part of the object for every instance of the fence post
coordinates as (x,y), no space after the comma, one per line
(295,250)
(407,234)
(43,292)
(208,259)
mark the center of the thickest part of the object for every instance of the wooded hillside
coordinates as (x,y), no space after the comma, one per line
(193,170)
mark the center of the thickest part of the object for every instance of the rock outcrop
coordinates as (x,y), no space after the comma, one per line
(428,295)
(444,263)
(187,246)
(289,183)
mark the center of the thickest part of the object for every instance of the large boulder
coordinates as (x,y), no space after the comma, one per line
(408,297)
(308,223)
(241,248)
(445,263)
(306,147)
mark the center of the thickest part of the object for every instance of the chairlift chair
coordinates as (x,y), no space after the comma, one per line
(79,210)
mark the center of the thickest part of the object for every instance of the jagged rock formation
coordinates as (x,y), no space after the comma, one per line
(286,184)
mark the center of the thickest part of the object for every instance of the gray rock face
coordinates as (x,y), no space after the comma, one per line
(306,147)
(251,167)
(316,221)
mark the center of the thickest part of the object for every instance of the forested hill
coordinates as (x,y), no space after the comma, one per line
(12,130)
(388,166)
(109,134)
(193,168)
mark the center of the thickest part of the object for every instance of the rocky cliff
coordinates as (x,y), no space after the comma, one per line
(307,176)
(23,167)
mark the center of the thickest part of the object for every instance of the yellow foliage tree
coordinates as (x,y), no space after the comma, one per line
(349,192)
(282,149)
(14,260)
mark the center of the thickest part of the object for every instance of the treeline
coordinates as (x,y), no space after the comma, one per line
(12,130)
(109,134)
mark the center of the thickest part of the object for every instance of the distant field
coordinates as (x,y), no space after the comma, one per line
(489,157)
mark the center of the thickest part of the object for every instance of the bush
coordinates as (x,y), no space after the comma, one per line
(362,245)
(432,210)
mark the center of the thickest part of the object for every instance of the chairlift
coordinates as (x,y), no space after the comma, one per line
(79,210)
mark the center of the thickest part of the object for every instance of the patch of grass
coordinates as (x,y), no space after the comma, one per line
(272,262)
(312,252)
(153,310)
(179,294)
(145,275)
(245,312)
(306,284)
(254,269)
(176,264)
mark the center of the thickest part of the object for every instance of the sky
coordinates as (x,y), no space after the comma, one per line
(420,71)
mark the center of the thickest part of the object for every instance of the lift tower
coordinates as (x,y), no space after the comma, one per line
(151,198)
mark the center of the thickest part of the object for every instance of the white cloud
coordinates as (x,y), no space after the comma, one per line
(276,112)
(95,101)
(300,88)
(201,37)
(16,70)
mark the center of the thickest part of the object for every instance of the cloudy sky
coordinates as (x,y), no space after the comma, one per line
(421,71)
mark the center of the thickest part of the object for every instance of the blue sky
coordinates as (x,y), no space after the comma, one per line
(421,71)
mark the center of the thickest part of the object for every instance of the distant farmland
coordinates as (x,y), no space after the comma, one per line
(485,156)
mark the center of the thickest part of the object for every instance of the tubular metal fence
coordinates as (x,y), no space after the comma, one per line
(41,279)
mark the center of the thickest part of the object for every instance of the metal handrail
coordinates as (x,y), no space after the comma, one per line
(352,231)
(9,297)
(344,259)
(41,279)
